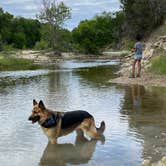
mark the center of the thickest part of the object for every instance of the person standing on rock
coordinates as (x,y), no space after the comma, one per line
(138,49)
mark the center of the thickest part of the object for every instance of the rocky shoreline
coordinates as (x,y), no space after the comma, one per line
(43,57)
(152,49)
(147,79)
(161,162)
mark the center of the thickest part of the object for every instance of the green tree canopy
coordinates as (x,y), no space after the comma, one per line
(144,15)
(92,35)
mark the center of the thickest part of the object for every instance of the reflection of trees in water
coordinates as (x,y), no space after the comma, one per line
(99,74)
(146,112)
(58,87)
(61,154)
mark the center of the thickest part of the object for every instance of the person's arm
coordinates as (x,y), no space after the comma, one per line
(133,50)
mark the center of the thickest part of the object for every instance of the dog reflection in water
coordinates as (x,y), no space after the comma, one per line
(62,154)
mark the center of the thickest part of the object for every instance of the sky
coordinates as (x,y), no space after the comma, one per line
(81,9)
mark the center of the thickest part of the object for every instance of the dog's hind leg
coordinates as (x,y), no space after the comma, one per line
(92,131)
(89,128)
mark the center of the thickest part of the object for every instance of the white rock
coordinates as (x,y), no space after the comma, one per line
(146,163)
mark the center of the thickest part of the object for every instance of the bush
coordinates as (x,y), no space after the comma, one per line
(11,63)
(127,43)
(158,65)
(41,45)
(8,48)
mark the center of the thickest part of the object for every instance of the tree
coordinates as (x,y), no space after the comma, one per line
(18,31)
(92,35)
(19,40)
(144,15)
(54,14)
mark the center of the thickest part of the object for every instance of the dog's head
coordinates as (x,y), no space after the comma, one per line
(39,112)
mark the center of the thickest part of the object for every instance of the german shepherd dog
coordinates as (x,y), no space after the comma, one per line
(56,124)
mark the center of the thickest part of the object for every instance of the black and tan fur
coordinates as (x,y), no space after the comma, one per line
(65,122)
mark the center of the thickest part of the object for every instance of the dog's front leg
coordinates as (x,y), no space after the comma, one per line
(53,140)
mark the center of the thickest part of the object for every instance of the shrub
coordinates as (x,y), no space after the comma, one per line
(41,45)
(11,63)
(158,65)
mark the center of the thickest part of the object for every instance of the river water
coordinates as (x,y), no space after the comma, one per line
(135,117)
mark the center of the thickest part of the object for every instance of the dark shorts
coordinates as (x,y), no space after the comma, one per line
(137,56)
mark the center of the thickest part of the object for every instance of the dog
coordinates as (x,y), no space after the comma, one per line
(56,124)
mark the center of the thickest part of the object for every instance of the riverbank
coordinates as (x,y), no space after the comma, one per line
(161,162)
(31,59)
(147,79)
(51,57)
(8,63)
(13,60)
(153,65)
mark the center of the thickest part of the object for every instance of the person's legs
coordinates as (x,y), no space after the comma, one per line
(133,67)
(139,68)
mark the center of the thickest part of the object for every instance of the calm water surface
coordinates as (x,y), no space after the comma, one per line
(135,117)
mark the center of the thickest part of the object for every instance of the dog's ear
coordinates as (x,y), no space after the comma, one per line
(34,102)
(41,105)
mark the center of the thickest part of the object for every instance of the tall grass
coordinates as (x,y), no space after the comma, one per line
(158,65)
(11,63)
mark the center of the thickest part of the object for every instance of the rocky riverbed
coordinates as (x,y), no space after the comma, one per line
(162,162)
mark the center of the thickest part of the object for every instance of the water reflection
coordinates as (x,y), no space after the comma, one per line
(61,154)
(135,117)
(97,75)
(145,110)
(137,92)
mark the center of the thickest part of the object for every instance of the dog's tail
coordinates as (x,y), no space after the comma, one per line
(101,129)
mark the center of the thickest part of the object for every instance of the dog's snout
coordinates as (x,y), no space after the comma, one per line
(30,118)
(34,118)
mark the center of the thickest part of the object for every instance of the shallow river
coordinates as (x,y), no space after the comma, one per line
(135,117)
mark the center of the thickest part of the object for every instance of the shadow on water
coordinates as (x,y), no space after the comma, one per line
(61,154)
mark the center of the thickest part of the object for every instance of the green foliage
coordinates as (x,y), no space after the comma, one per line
(158,65)
(54,14)
(143,16)
(8,48)
(41,45)
(1,44)
(92,35)
(11,63)
(128,43)
(19,40)
(18,31)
